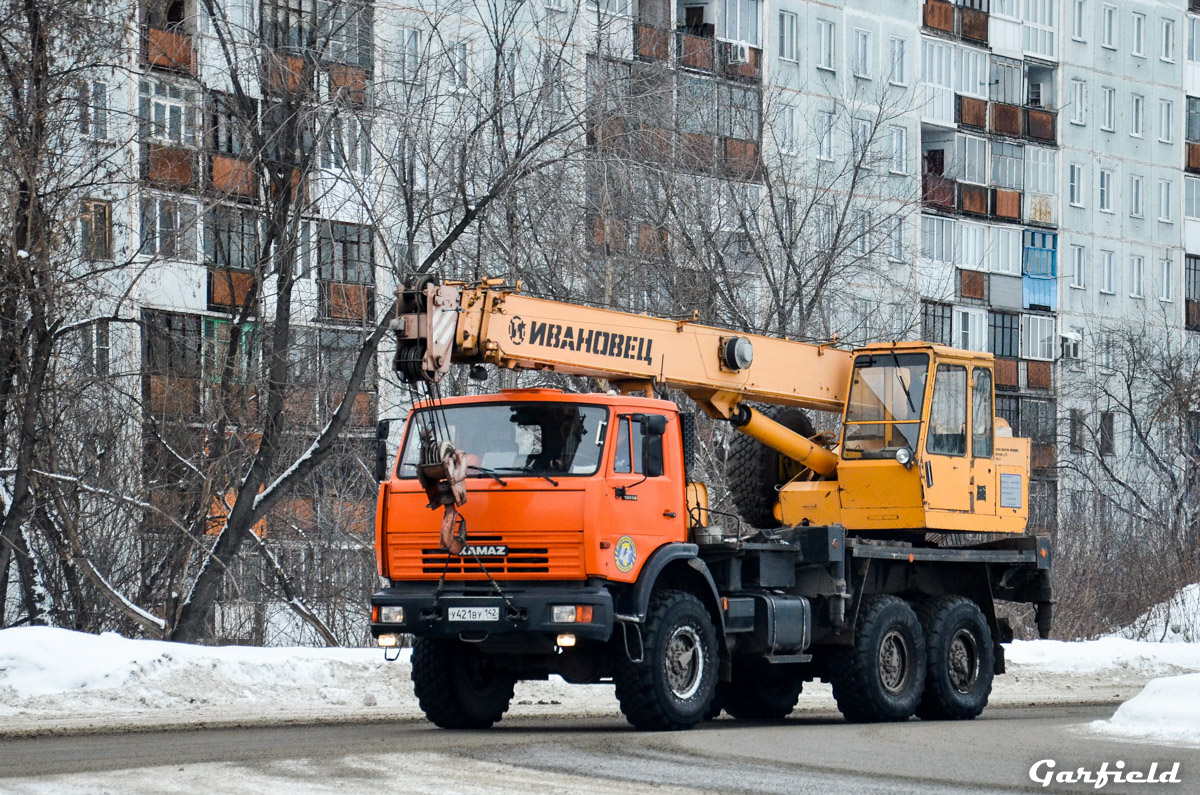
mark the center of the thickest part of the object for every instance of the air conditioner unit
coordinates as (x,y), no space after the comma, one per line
(1072,344)
(739,53)
(1036,94)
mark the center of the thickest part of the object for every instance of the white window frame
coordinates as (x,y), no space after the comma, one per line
(824,136)
(1078,262)
(1108,109)
(1138,30)
(1166,120)
(1137,115)
(862,54)
(1041,170)
(972,75)
(896,239)
(969,328)
(458,53)
(1166,210)
(1192,55)
(1137,196)
(938,236)
(1191,198)
(1166,280)
(409,54)
(1039,34)
(184,226)
(1108,37)
(786,133)
(788,25)
(971,252)
(899,61)
(826,45)
(1078,102)
(157,111)
(1077,17)
(1108,272)
(974,159)
(1105,180)
(1075,184)
(899,159)
(1007,248)
(1167,40)
(95,110)
(1137,275)
(1038,337)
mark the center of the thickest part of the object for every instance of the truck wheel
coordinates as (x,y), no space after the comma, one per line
(961,660)
(882,676)
(753,470)
(674,684)
(760,691)
(458,686)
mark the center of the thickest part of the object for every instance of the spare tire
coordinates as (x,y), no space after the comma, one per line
(753,470)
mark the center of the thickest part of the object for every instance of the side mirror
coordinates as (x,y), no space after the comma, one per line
(381,450)
(653,428)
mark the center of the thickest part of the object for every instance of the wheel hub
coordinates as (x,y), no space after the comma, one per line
(684,662)
(964,661)
(895,661)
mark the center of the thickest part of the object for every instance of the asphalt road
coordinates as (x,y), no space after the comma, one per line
(813,753)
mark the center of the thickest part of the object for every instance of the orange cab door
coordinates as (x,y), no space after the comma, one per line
(645,512)
(945,464)
(983,443)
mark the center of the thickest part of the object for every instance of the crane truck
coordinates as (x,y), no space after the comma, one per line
(573,540)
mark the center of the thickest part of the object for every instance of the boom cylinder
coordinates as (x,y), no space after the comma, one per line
(784,440)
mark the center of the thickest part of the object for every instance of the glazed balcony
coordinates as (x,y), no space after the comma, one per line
(939,192)
(968,23)
(651,43)
(168,49)
(168,166)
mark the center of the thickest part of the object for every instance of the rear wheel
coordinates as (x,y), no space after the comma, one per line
(961,659)
(753,470)
(882,676)
(458,686)
(673,686)
(761,691)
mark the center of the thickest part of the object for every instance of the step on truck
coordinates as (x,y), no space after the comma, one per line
(534,532)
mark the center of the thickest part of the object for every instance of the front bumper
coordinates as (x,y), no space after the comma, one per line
(524,610)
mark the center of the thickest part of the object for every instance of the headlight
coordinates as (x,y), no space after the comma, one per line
(562,614)
(391,614)
(904,456)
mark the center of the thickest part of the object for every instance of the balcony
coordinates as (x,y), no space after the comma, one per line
(1042,456)
(741,158)
(1006,204)
(1193,157)
(968,23)
(171,396)
(973,24)
(165,49)
(1040,124)
(348,83)
(973,199)
(345,301)
(228,290)
(750,70)
(1007,120)
(1042,209)
(284,74)
(972,284)
(1008,374)
(231,177)
(938,15)
(168,166)
(651,43)
(1039,375)
(970,111)
(938,191)
(695,52)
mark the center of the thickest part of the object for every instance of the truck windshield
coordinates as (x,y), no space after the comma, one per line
(513,438)
(883,412)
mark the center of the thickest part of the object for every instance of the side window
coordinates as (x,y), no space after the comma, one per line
(628,456)
(948,413)
(982,437)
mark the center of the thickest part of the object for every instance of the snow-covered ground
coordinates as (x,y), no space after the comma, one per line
(55,680)
(1176,620)
(1167,710)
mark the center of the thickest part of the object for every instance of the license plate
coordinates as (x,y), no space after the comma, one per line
(474,614)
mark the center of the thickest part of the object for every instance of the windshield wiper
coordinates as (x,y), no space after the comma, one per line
(903,385)
(528,471)
(490,473)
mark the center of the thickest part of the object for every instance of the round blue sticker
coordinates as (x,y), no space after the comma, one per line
(625,554)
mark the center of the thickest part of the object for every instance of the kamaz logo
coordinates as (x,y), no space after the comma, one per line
(485,551)
(584,340)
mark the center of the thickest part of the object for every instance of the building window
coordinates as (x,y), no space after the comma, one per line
(1077,267)
(1006,250)
(1135,196)
(1078,102)
(95,231)
(826,52)
(1107,437)
(972,160)
(346,254)
(899,66)
(937,238)
(1108,272)
(93,110)
(347,144)
(168,228)
(228,127)
(1041,166)
(1108,109)
(899,159)
(1040,28)
(1077,17)
(1191,197)
(95,348)
(1004,334)
(1193,39)
(1109,20)
(970,329)
(896,238)
(1077,430)
(1168,41)
(347,33)
(1166,280)
(1139,34)
(408,55)
(741,20)
(1166,120)
(1037,337)
(231,239)
(825,136)
(1192,133)
(1106,179)
(289,24)
(862,54)
(1137,273)
(215,350)
(1041,250)
(1137,116)
(787,35)
(1008,408)
(1165,209)
(1038,421)
(860,140)
(1075,184)
(1008,166)
(785,129)
(971,252)
(1007,81)
(171,344)
(458,64)
(936,322)
(166,112)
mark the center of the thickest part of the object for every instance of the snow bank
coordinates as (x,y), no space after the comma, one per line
(1104,654)
(1176,620)
(1167,709)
